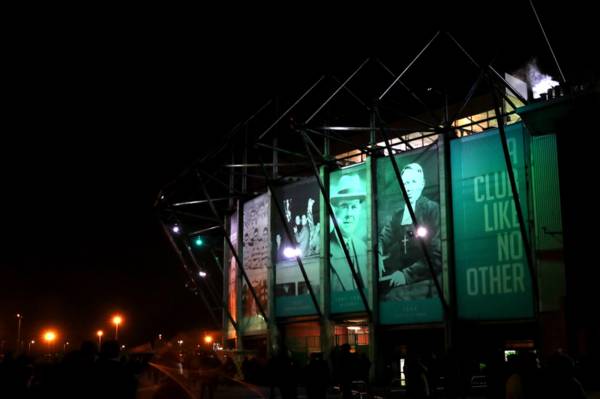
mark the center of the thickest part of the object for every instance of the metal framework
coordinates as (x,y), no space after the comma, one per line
(284,145)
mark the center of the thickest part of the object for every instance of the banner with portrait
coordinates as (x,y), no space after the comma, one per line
(349,195)
(492,277)
(406,289)
(256,250)
(300,203)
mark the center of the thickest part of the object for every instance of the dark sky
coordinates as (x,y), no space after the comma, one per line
(96,121)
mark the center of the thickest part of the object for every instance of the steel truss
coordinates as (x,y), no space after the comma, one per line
(290,151)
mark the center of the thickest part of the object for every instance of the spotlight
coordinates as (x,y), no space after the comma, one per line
(290,252)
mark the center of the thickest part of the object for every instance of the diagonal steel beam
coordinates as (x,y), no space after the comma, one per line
(290,236)
(234,252)
(508,86)
(290,108)
(310,118)
(515,194)
(337,228)
(409,90)
(414,220)
(562,76)
(208,285)
(408,67)
(190,275)
(467,98)
(352,94)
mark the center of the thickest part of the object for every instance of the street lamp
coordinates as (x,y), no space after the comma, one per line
(99,333)
(29,346)
(116,321)
(19,318)
(49,337)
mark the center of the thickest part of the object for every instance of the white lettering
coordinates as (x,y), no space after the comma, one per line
(500,216)
(478,197)
(516,245)
(518,275)
(495,281)
(472,288)
(486,219)
(507,278)
(503,247)
(483,275)
(510,246)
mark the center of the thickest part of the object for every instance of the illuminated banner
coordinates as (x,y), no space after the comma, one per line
(300,203)
(349,198)
(407,292)
(256,257)
(231,264)
(492,279)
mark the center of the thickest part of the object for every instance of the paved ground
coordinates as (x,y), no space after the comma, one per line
(175,386)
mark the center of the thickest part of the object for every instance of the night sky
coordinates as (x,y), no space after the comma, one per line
(97,121)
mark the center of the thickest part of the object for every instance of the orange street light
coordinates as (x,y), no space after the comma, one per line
(49,336)
(208,339)
(99,333)
(117,319)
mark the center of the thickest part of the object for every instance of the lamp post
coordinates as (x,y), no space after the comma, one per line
(49,337)
(29,346)
(19,318)
(116,321)
(99,333)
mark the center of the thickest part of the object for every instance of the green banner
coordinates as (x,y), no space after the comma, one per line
(348,194)
(407,292)
(300,203)
(492,278)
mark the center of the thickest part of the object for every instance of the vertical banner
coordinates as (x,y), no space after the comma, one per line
(407,292)
(256,257)
(348,194)
(492,279)
(232,272)
(300,204)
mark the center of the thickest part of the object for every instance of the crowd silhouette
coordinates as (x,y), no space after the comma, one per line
(87,373)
